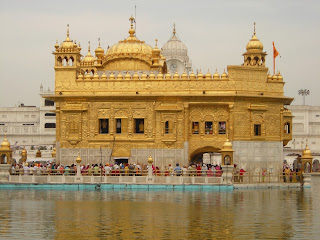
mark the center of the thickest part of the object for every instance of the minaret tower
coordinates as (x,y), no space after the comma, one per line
(67,60)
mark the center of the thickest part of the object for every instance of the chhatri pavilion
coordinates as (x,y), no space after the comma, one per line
(122,105)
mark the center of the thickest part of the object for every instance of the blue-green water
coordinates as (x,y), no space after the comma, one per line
(161,214)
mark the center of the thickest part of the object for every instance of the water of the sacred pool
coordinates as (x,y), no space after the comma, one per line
(139,214)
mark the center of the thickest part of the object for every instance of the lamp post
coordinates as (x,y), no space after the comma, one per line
(304,93)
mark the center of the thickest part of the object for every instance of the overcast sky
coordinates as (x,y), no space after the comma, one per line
(215,32)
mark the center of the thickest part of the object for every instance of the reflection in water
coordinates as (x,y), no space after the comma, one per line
(241,214)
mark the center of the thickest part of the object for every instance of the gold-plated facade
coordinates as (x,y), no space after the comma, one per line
(124,101)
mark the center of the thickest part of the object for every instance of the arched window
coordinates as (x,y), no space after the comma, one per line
(92,72)
(59,61)
(71,62)
(256,60)
(65,62)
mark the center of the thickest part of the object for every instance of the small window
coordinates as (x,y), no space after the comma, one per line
(208,128)
(118,125)
(104,126)
(287,128)
(50,125)
(26,116)
(33,116)
(48,102)
(257,129)
(168,127)
(50,114)
(195,127)
(222,128)
(317,115)
(139,125)
(4,116)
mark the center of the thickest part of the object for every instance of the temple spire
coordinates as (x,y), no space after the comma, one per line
(174,28)
(254,28)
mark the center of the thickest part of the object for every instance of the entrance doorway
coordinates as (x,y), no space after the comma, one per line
(121,160)
(206,155)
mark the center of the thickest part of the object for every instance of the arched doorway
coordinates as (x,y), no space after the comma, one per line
(207,155)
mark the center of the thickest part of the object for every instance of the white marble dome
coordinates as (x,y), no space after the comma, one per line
(174,48)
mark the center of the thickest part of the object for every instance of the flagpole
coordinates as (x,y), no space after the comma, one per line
(274,60)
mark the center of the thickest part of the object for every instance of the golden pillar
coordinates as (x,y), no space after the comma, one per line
(24,155)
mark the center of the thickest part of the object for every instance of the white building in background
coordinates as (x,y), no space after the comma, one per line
(305,130)
(176,54)
(30,126)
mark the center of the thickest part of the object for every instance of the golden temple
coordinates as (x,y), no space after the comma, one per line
(122,103)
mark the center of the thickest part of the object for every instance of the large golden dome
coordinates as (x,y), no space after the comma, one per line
(131,46)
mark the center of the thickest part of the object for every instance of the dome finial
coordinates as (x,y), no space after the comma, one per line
(99,41)
(67,30)
(132,31)
(254,28)
(156,42)
(89,46)
(174,28)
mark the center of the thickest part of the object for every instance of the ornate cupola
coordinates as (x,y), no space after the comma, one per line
(99,53)
(5,152)
(67,54)
(88,60)
(254,56)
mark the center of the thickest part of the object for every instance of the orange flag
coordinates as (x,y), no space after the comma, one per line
(275,52)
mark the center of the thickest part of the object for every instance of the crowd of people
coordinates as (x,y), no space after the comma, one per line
(116,169)
(290,174)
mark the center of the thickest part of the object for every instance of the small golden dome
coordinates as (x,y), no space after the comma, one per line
(192,76)
(269,77)
(227,145)
(99,51)
(160,75)
(127,76)
(224,75)
(104,76)
(280,78)
(5,145)
(216,75)
(275,77)
(150,160)
(78,160)
(24,152)
(112,76)
(152,76)
(144,76)
(200,75)
(167,76)
(120,76)
(306,153)
(56,46)
(184,75)
(89,58)
(67,43)
(135,76)
(88,76)
(254,45)
(208,75)
(176,76)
